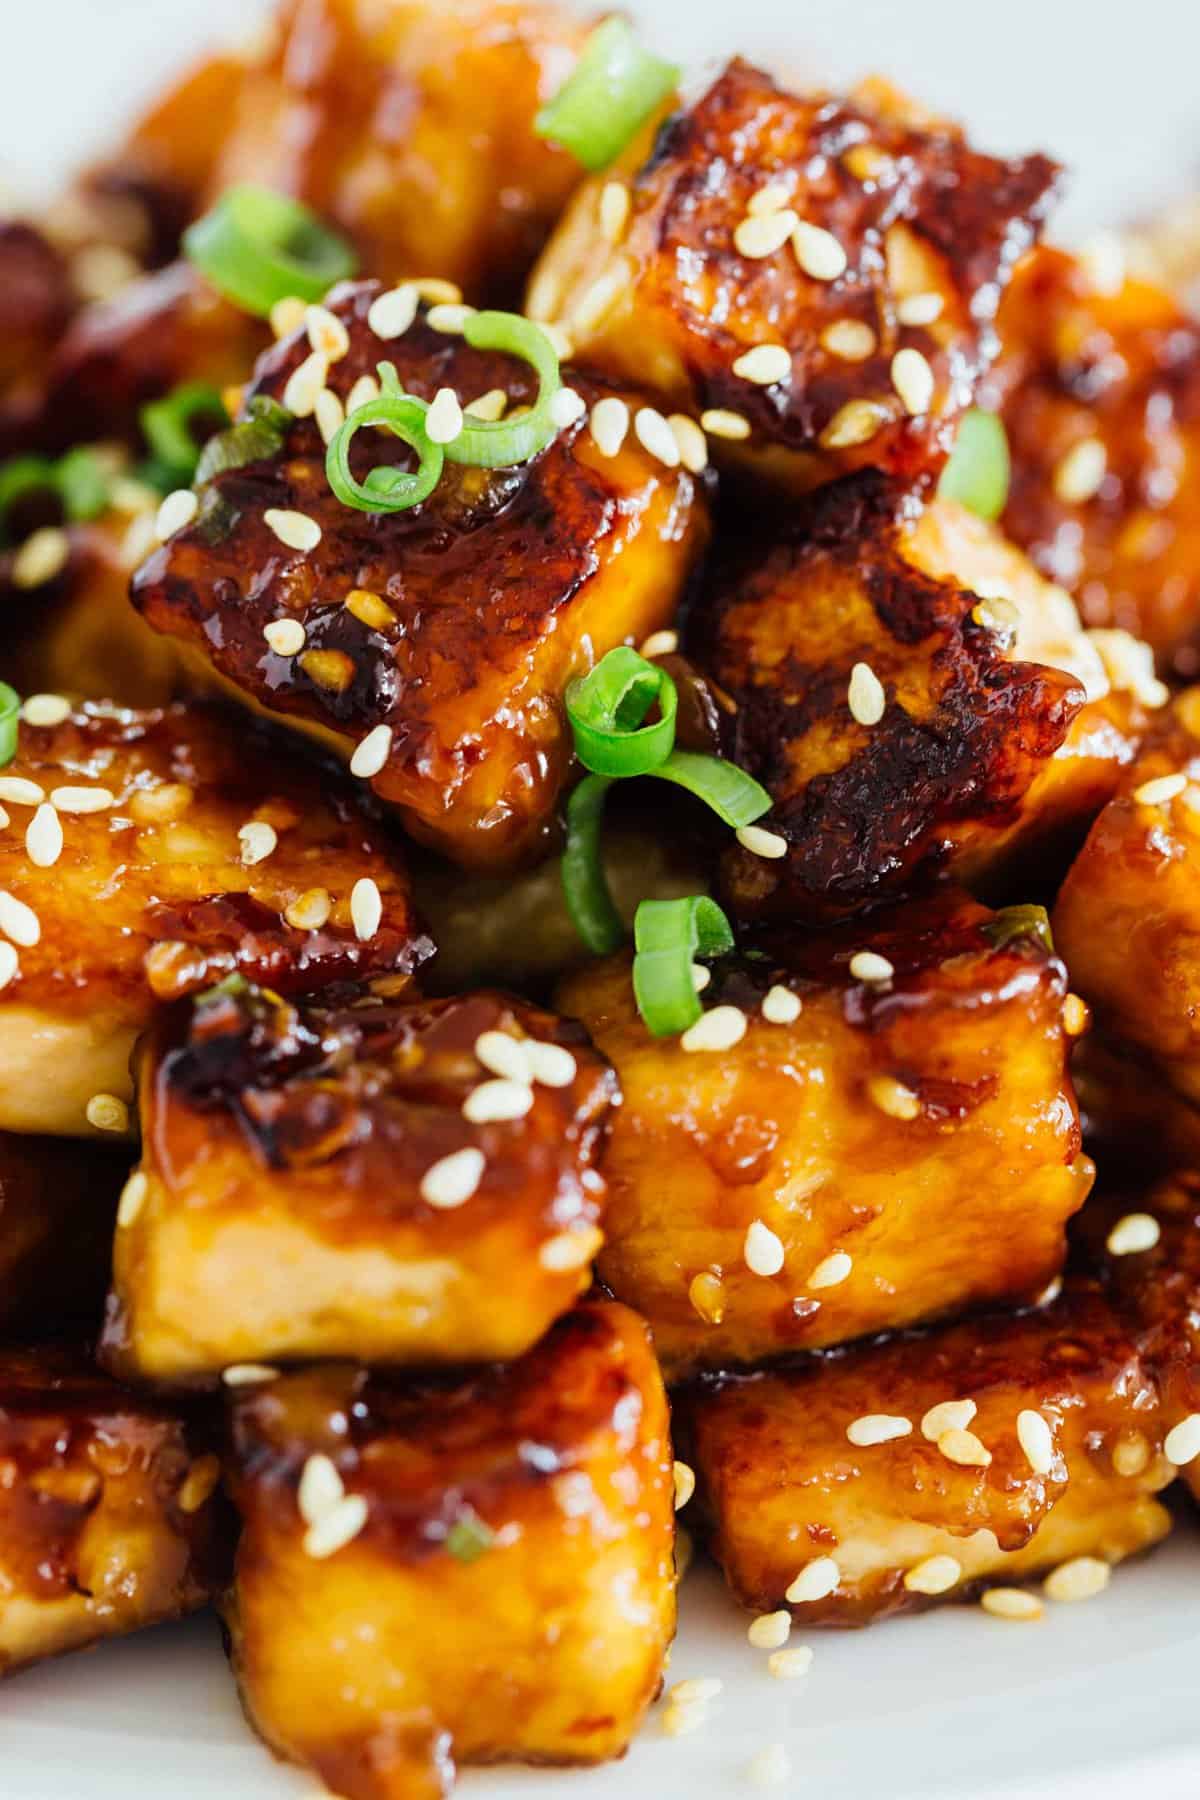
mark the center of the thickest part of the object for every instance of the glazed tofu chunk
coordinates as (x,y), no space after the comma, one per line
(821,274)
(906,722)
(109,1516)
(892,1136)
(496,1551)
(148,855)
(847,1488)
(444,636)
(58,1201)
(354,1179)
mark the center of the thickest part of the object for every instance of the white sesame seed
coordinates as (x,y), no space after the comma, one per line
(496,1102)
(684,1478)
(701,977)
(894,1098)
(46,709)
(295,529)
(877,1428)
(934,1575)
(679,1721)
(769,199)
(760,842)
(285,637)
(855,423)
(816,1581)
(4,819)
(947,1415)
(790,1665)
(366,908)
(769,1767)
(913,380)
(19,922)
(1036,1440)
(570,1250)
(1160,791)
(371,753)
(764,365)
(177,511)
(435,290)
(596,301)
(831,1271)
(865,695)
(106,1112)
(287,315)
(365,389)
(82,800)
(489,407)
(761,234)
(852,340)
(550,1064)
(615,205)
(44,554)
(1134,1233)
(449,317)
(780,1006)
(393,312)
(305,383)
(698,1690)
(133,1198)
(690,441)
(336,1528)
(444,420)
(1074,1016)
(452,1180)
(718,422)
(44,838)
(920,309)
(818,251)
(654,434)
(964,1449)
(659,643)
(246,1374)
(139,540)
(19,792)
(1012,1603)
(1082,1578)
(9,964)
(1080,473)
(258,840)
(762,1250)
(320,1488)
(609,423)
(719,1029)
(1182,1443)
(567,407)
(867,965)
(330,415)
(326,333)
(503,1055)
(770,1631)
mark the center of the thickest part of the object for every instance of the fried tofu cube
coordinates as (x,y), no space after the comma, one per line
(447,634)
(315,1183)
(110,1518)
(58,1201)
(906,723)
(496,1551)
(148,855)
(851,254)
(870,1153)
(923,1467)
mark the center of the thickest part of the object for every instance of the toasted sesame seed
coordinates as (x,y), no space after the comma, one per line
(19,792)
(865,695)
(769,1767)
(790,1665)
(1131,1454)
(133,1198)
(1036,1440)
(489,407)
(1129,665)
(310,910)
(678,1720)
(42,556)
(764,365)
(818,251)
(719,1029)
(698,1690)
(139,540)
(365,389)
(770,1631)
(295,529)
(947,1415)
(913,380)
(867,162)
(964,1448)
(706,1291)
(9,963)
(760,842)
(1080,473)
(597,300)
(654,434)
(868,965)
(320,1488)
(780,1006)
(690,441)
(1160,791)
(1137,1231)
(570,1250)
(920,309)
(761,234)
(1011,1603)
(199,1484)
(106,1112)
(44,838)
(831,1271)
(1074,1016)
(444,420)
(851,340)
(701,976)
(246,1374)
(371,753)
(762,1250)
(258,840)
(1181,1445)
(46,709)
(659,643)
(19,922)
(877,1428)
(494,1102)
(816,1581)
(719,422)
(286,637)
(82,800)
(854,423)
(503,1055)
(449,317)
(609,423)
(567,407)
(330,415)
(615,206)
(326,333)
(336,1528)
(305,383)
(933,1575)
(453,1179)
(288,315)
(685,1484)
(550,1064)
(393,312)
(435,290)
(769,199)
(366,908)
(894,1098)
(1082,1578)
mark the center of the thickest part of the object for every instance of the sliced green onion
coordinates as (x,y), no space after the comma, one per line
(386,489)
(1012,923)
(10,713)
(978,472)
(470,1537)
(84,484)
(614,88)
(253,439)
(585,885)
(167,426)
(735,797)
(257,247)
(668,937)
(503,443)
(24,477)
(606,709)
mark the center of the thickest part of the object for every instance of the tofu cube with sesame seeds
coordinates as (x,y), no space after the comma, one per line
(124,884)
(845,1525)
(814,276)
(895,1148)
(58,1200)
(110,1515)
(404,1181)
(439,640)
(495,1550)
(904,726)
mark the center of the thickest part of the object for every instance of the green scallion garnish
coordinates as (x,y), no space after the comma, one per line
(503,443)
(585,886)
(669,936)
(255,438)
(614,88)
(387,489)
(606,709)
(22,479)
(10,715)
(978,472)
(470,1537)
(257,247)
(1012,923)
(168,426)
(735,797)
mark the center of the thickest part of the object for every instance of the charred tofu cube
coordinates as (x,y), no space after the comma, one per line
(148,855)
(436,643)
(892,1136)
(58,1201)
(1100,394)
(355,1179)
(496,1552)
(818,275)
(110,1519)
(905,721)
(850,1487)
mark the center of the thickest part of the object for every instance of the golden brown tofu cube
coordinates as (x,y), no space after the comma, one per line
(452,629)
(897,1149)
(110,1519)
(310,1185)
(1100,394)
(148,855)
(871,265)
(904,725)
(58,1201)
(495,1550)
(855,1486)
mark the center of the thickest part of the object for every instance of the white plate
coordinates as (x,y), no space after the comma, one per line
(1098,1700)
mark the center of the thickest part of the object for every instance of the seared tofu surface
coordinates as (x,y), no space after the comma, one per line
(58,1202)
(496,1549)
(314,1183)
(898,1149)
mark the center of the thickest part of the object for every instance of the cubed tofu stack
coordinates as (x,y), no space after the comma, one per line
(882,1131)
(399,1182)
(495,1552)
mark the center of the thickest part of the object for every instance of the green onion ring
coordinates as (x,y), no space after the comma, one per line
(613,89)
(735,797)
(387,489)
(257,247)
(503,443)
(23,477)
(668,936)
(585,885)
(606,709)
(83,484)
(167,426)
(979,470)
(10,713)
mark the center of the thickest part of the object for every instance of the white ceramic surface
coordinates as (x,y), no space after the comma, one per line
(1099,1700)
